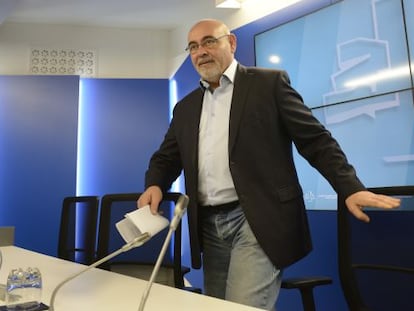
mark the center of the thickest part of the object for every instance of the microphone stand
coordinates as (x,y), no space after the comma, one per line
(179,211)
(138,241)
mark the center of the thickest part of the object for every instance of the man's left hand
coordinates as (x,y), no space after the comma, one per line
(358,200)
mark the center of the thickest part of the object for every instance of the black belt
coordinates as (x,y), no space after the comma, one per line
(226,207)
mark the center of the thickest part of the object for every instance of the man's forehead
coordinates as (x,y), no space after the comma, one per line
(203,30)
(201,36)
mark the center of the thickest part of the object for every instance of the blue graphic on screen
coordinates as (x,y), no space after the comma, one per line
(338,51)
(355,75)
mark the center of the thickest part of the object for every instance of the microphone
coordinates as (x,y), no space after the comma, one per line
(179,211)
(136,242)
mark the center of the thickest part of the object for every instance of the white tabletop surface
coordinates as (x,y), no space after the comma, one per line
(101,290)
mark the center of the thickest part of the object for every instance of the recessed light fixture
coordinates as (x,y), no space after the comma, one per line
(228,4)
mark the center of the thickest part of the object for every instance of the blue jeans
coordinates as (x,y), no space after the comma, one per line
(235,266)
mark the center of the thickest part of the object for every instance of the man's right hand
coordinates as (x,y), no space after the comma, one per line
(152,197)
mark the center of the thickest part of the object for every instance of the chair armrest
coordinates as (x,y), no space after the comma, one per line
(302,282)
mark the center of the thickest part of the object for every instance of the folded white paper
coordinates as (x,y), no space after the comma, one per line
(140,221)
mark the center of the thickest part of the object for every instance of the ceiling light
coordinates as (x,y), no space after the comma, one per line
(274,59)
(228,4)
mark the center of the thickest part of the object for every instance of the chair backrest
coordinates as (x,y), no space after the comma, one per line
(78,228)
(113,209)
(376,259)
(6,236)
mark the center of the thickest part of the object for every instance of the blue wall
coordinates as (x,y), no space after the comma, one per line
(122,122)
(38,139)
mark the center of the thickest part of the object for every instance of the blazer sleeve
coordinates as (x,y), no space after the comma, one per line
(313,141)
(165,164)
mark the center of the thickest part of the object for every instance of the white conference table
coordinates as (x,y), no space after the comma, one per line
(102,290)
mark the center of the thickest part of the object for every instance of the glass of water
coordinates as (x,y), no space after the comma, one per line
(2,286)
(23,289)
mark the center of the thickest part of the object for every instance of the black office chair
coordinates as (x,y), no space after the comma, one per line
(376,259)
(306,285)
(77,232)
(139,262)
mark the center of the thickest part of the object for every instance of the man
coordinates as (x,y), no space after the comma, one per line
(233,138)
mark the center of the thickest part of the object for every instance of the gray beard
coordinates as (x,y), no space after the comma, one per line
(211,75)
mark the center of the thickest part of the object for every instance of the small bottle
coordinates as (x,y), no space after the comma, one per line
(23,289)
(33,287)
(14,289)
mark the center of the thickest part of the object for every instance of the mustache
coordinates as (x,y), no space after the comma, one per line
(204,60)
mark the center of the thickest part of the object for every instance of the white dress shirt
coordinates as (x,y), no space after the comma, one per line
(214,179)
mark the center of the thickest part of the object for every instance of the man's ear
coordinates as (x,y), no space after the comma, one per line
(233,42)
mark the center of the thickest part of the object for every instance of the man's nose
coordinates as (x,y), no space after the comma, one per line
(201,50)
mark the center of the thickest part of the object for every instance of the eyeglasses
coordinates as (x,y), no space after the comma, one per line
(207,43)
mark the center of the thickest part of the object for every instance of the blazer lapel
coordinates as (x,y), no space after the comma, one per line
(194,115)
(241,88)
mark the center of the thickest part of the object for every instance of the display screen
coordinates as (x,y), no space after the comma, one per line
(351,64)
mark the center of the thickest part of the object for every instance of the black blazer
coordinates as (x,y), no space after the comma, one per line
(266,116)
